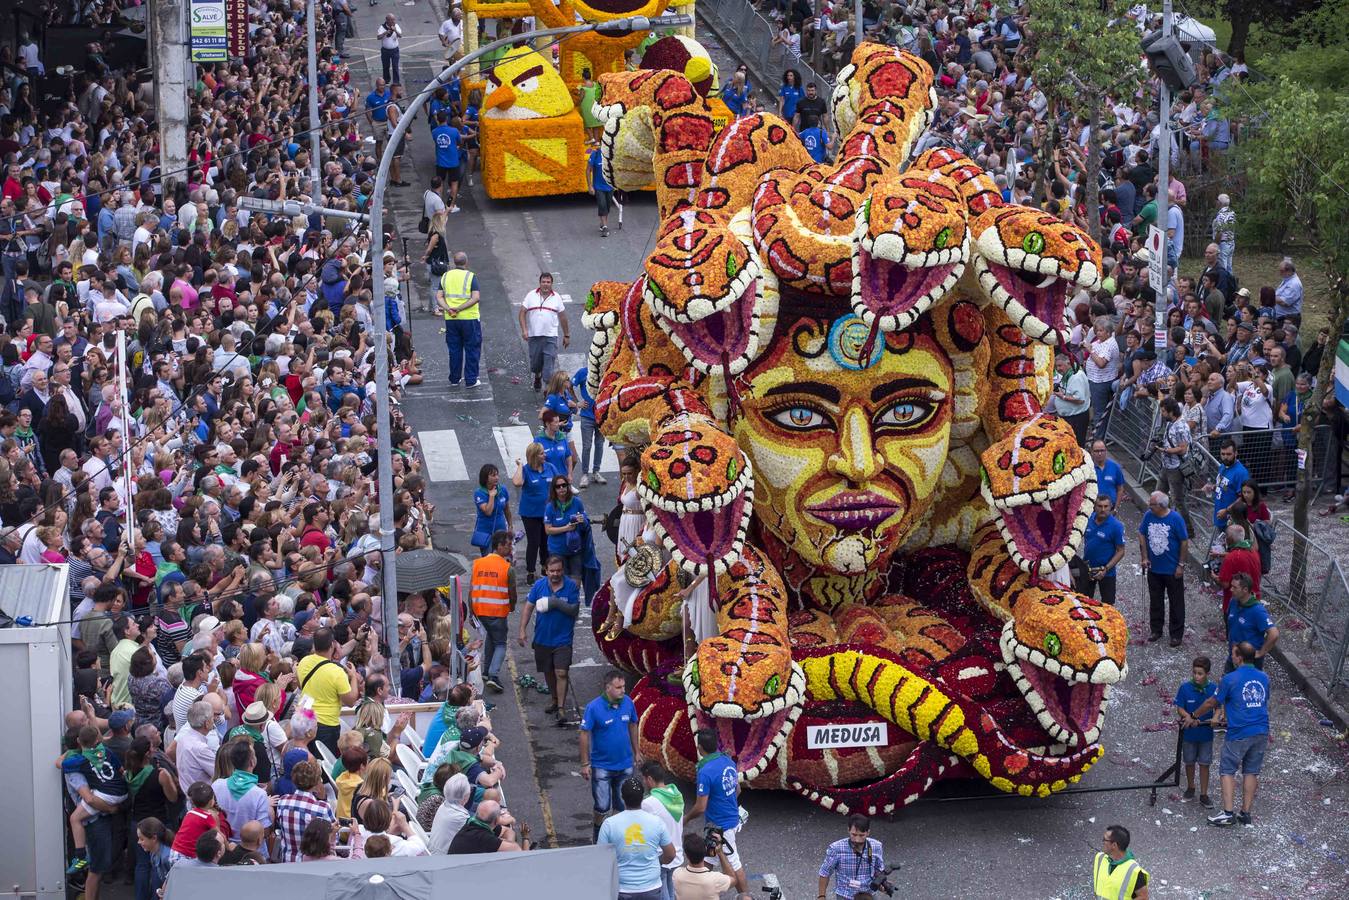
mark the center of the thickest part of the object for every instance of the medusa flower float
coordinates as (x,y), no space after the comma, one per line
(834,377)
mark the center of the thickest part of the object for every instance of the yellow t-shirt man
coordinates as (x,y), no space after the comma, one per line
(325,688)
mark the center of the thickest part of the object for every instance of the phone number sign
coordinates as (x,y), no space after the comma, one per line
(206,29)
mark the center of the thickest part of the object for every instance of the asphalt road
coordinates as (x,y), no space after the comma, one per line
(948,846)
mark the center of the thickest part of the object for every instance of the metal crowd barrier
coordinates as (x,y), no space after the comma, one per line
(754,44)
(1310,584)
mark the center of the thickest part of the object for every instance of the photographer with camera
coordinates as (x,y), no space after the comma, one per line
(718,801)
(695,879)
(856,863)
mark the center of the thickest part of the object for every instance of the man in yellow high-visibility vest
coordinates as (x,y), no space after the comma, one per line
(457,299)
(1115,874)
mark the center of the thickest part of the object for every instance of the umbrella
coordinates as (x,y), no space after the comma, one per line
(423,570)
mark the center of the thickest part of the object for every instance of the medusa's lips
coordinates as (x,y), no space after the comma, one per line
(855,510)
(1042,528)
(598,10)
(896,293)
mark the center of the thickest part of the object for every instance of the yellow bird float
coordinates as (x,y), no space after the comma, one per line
(525,86)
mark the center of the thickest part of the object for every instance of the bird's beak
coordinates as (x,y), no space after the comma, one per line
(503,97)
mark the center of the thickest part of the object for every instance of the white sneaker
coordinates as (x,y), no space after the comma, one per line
(585,482)
(454,209)
(598,478)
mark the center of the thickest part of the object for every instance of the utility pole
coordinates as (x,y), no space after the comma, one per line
(388,560)
(857,21)
(168,52)
(1164,187)
(315,126)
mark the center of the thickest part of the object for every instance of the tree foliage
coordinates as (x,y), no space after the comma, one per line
(1081,53)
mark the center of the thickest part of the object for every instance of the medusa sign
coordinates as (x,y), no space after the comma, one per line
(835,375)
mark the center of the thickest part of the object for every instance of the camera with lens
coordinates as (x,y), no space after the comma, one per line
(714,837)
(880,882)
(1153,447)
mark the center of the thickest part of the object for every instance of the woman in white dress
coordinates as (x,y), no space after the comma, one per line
(632,520)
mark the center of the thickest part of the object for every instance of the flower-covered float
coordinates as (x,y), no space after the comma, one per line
(834,375)
(533,131)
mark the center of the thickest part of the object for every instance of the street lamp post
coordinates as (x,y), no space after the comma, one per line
(388,567)
(315,127)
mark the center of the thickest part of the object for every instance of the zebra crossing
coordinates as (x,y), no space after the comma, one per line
(446,460)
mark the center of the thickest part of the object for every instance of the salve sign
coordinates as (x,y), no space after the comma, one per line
(837,737)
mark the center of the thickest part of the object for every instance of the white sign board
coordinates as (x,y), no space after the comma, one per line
(837,737)
(1157,265)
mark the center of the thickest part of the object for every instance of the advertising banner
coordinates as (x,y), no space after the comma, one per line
(206,31)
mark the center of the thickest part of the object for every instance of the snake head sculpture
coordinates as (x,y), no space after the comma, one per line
(697,487)
(912,246)
(743,682)
(1027,261)
(1042,487)
(885,79)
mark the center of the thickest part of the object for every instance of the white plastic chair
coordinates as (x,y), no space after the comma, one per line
(411,761)
(412,738)
(410,787)
(327,759)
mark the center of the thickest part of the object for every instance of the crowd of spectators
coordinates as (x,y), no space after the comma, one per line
(220,528)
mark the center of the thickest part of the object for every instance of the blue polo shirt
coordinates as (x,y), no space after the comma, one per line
(447,140)
(1109,479)
(1190,697)
(717,781)
(534,492)
(1227,487)
(1100,541)
(1244,695)
(1163,536)
(597,172)
(376,103)
(578,382)
(610,744)
(555,450)
(497,521)
(815,143)
(552,515)
(553,628)
(1247,623)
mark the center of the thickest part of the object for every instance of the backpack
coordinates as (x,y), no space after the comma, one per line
(1264,542)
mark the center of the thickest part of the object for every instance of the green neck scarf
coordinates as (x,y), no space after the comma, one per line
(1249,601)
(241,783)
(708,758)
(135,780)
(1241,545)
(249,730)
(1128,855)
(671,799)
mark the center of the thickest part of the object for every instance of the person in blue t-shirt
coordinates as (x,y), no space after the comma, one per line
(1102,547)
(1164,542)
(376,103)
(1244,695)
(557,448)
(557,600)
(1248,621)
(718,800)
(532,476)
(592,439)
(736,94)
(1196,738)
(566,524)
(1109,475)
(608,744)
(602,190)
(789,94)
(447,138)
(1226,487)
(492,503)
(558,397)
(816,141)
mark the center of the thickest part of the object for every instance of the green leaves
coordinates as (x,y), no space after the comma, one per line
(1078,56)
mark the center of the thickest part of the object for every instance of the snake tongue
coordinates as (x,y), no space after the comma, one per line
(753,744)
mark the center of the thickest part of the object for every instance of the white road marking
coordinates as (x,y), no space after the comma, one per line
(444,459)
(513,439)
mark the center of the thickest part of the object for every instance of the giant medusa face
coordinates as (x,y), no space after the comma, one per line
(846,447)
